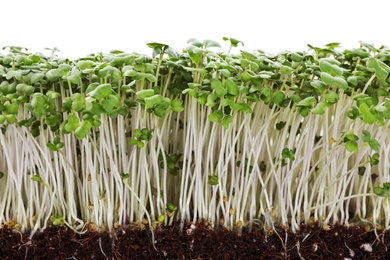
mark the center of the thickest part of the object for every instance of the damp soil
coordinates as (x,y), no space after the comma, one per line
(197,242)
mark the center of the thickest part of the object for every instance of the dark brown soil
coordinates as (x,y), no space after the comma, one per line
(200,243)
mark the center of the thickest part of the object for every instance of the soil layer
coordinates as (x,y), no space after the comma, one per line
(197,242)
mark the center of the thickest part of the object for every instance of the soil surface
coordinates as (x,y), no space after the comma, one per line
(197,242)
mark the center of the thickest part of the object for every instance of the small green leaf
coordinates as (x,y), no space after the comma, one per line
(231,87)
(331,96)
(379,191)
(133,141)
(245,76)
(213,179)
(58,221)
(218,87)
(151,101)
(137,133)
(353,113)
(352,146)
(101,91)
(366,136)
(226,121)
(287,153)
(381,69)
(279,97)
(319,109)
(110,102)
(36,178)
(374,159)
(54,74)
(72,124)
(211,100)
(177,105)
(351,137)
(215,116)
(319,85)
(374,144)
(368,117)
(171,207)
(124,175)
(331,69)
(82,129)
(279,126)
(145,93)
(307,102)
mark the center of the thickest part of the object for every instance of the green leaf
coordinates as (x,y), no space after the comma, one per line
(379,191)
(242,106)
(368,117)
(319,109)
(351,136)
(319,85)
(82,129)
(381,69)
(231,87)
(36,178)
(279,97)
(150,77)
(353,80)
(171,207)
(213,179)
(124,175)
(72,123)
(110,102)
(101,91)
(226,121)
(234,42)
(374,159)
(245,76)
(331,96)
(353,113)
(216,84)
(13,74)
(24,89)
(307,102)
(329,79)
(133,141)
(374,144)
(286,70)
(3,118)
(85,64)
(211,43)
(287,153)
(215,116)
(12,108)
(77,102)
(304,111)
(352,146)
(145,93)
(54,74)
(153,100)
(279,126)
(53,119)
(177,105)
(39,104)
(366,136)
(137,133)
(331,69)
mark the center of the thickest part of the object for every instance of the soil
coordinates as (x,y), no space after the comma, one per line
(197,242)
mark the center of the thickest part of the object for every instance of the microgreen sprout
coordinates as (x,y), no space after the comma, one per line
(121,138)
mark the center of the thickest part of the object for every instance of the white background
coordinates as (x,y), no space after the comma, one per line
(80,27)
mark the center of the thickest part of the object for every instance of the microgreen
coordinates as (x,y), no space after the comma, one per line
(120,137)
